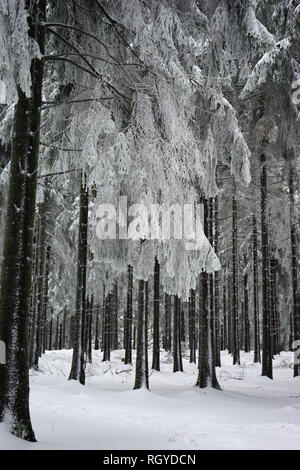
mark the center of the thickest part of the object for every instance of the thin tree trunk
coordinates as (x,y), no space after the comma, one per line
(229,313)
(41,278)
(246,311)
(235,341)
(216,287)
(266,318)
(177,360)
(225,318)
(255,293)
(156,329)
(46,297)
(167,322)
(77,358)
(50,334)
(206,362)
(296,295)
(115,317)
(146,332)
(128,319)
(97,342)
(90,330)
(140,373)
(211,278)
(34,295)
(107,328)
(192,325)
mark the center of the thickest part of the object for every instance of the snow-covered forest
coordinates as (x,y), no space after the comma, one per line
(149,209)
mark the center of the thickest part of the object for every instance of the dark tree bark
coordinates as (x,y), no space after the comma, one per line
(225,318)
(266,317)
(128,319)
(216,287)
(206,362)
(246,311)
(275,313)
(97,332)
(211,298)
(235,328)
(90,331)
(46,297)
(156,329)
(295,294)
(177,358)
(146,332)
(34,293)
(255,293)
(229,315)
(140,372)
(78,352)
(107,328)
(192,326)
(18,237)
(41,278)
(272,306)
(168,308)
(115,328)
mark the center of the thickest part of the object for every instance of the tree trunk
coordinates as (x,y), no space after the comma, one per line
(235,341)
(192,325)
(266,318)
(140,373)
(216,287)
(255,293)
(90,330)
(41,279)
(246,311)
(276,332)
(295,294)
(211,278)
(18,237)
(146,332)
(78,358)
(115,342)
(225,317)
(107,328)
(128,319)
(50,334)
(46,297)
(97,342)
(34,294)
(177,360)
(156,333)
(168,322)
(206,363)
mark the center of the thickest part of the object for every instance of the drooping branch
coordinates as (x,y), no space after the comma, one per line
(58,173)
(44,144)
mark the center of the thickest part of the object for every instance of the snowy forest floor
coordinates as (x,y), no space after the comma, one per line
(252,412)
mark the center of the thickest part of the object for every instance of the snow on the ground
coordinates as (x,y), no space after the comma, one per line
(252,412)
